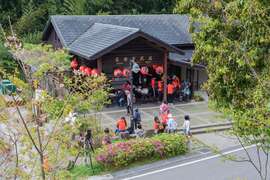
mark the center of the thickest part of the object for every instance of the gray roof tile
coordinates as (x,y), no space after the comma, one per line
(181,58)
(100,37)
(172,29)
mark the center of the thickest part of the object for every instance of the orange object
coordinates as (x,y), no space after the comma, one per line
(170,88)
(121,124)
(160,86)
(164,118)
(156,125)
(176,82)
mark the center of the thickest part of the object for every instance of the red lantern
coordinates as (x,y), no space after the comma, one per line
(94,72)
(82,68)
(144,70)
(88,71)
(154,66)
(74,64)
(159,70)
(126,72)
(117,73)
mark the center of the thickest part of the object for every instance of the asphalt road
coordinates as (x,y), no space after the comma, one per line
(208,168)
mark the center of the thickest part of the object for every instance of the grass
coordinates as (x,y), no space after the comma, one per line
(86,170)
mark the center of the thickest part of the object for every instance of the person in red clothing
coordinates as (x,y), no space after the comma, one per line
(177,86)
(126,86)
(176,82)
(153,86)
(160,90)
(158,127)
(121,124)
(164,119)
(170,90)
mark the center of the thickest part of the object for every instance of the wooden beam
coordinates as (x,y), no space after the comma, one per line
(165,75)
(99,65)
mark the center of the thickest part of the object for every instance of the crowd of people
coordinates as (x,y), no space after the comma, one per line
(165,122)
(154,91)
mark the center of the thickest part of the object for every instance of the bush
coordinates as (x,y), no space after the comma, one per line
(197,97)
(124,153)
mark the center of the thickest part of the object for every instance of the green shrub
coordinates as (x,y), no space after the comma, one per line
(197,97)
(121,154)
(33,38)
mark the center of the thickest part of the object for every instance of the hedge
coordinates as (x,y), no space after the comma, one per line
(121,154)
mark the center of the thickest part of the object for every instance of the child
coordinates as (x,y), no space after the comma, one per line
(158,127)
(186,126)
(107,138)
(171,124)
(139,132)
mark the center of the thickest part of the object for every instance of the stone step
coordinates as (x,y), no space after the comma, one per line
(211,129)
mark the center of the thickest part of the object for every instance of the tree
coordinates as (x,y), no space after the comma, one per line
(232,38)
(38,141)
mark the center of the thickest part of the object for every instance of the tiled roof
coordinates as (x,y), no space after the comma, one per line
(99,38)
(178,57)
(172,29)
(183,58)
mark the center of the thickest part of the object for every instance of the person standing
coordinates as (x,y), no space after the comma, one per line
(170,90)
(137,117)
(186,126)
(177,86)
(128,94)
(171,124)
(160,90)
(164,107)
(107,138)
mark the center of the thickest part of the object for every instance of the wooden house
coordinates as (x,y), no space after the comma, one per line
(108,42)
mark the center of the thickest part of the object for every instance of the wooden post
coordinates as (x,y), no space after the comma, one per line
(192,80)
(165,75)
(99,65)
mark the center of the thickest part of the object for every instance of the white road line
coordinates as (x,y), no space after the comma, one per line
(188,163)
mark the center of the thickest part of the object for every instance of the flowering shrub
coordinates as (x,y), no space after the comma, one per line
(124,153)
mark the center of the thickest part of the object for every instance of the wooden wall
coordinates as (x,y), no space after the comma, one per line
(139,49)
(53,39)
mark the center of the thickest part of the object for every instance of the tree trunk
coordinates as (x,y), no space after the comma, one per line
(41,166)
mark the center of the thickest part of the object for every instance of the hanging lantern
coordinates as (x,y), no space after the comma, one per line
(135,68)
(117,73)
(144,70)
(159,70)
(94,72)
(154,66)
(74,64)
(88,71)
(82,68)
(126,72)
